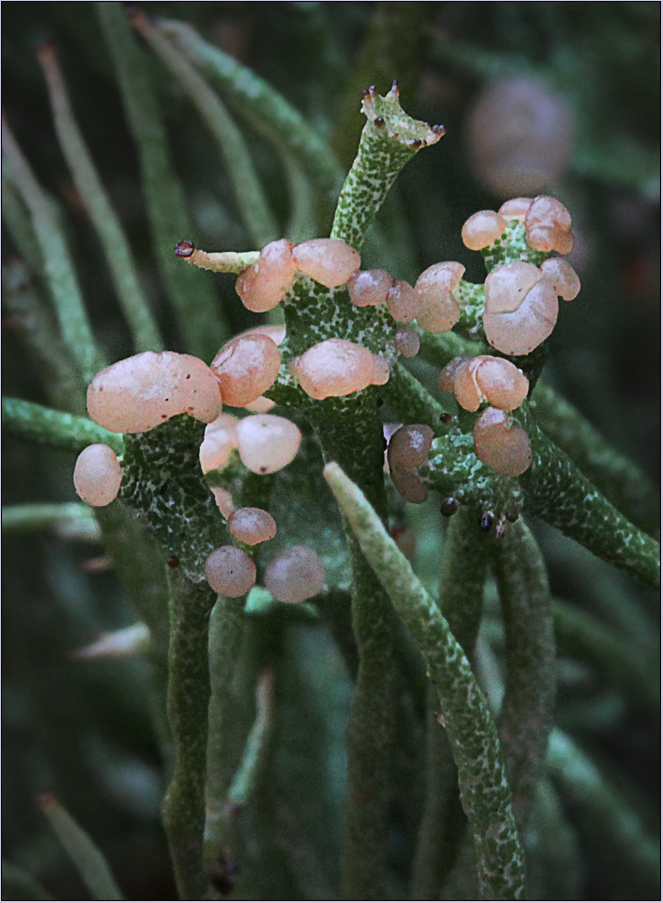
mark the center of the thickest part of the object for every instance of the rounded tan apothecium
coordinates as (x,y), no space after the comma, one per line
(337,367)
(488,378)
(548,226)
(482,229)
(264,284)
(97,475)
(246,367)
(439,311)
(369,287)
(230,572)
(252,525)
(500,444)
(521,307)
(329,261)
(295,575)
(219,442)
(267,443)
(140,392)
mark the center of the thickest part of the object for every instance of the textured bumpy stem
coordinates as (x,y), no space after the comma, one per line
(484,791)
(252,204)
(559,493)
(163,482)
(464,567)
(195,307)
(188,699)
(99,208)
(227,628)
(622,481)
(526,717)
(389,140)
(371,723)
(267,111)
(58,266)
(412,402)
(56,428)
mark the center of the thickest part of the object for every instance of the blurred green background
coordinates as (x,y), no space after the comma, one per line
(582,82)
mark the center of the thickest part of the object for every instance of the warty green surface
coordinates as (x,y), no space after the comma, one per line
(162,481)
(484,789)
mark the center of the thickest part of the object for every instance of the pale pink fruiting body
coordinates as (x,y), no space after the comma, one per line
(138,393)
(448,374)
(97,475)
(230,572)
(515,208)
(275,332)
(267,443)
(563,277)
(336,367)
(381,371)
(264,284)
(409,446)
(521,135)
(369,287)
(261,405)
(246,367)
(482,229)
(521,308)
(403,302)
(252,525)
(329,261)
(548,226)
(406,342)
(439,310)
(295,575)
(224,501)
(500,444)
(491,379)
(409,485)
(219,442)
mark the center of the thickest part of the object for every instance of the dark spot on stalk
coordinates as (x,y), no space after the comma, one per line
(184,248)
(446,418)
(449,507)
(173,561)
(486,521)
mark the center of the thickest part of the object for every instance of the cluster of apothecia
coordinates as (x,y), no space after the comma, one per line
(139,393)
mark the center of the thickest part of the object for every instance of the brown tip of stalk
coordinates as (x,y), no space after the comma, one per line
(184,248)
(45,800)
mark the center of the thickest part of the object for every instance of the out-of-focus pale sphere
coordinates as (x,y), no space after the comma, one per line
(520,136)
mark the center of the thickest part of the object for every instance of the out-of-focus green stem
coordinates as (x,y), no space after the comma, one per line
(19,885)
(45,426)
(99,208)
(82,850)
(38,328)
(28,518)
(617,661)
(188,700)
(252,204)
(196,310)
(464,712)
(526,717)
(263,107)
(17,220)
(58,266)
(604,813)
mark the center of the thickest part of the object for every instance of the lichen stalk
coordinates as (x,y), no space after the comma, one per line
(484,790)
(188,698)
(464,569)
(526,717)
